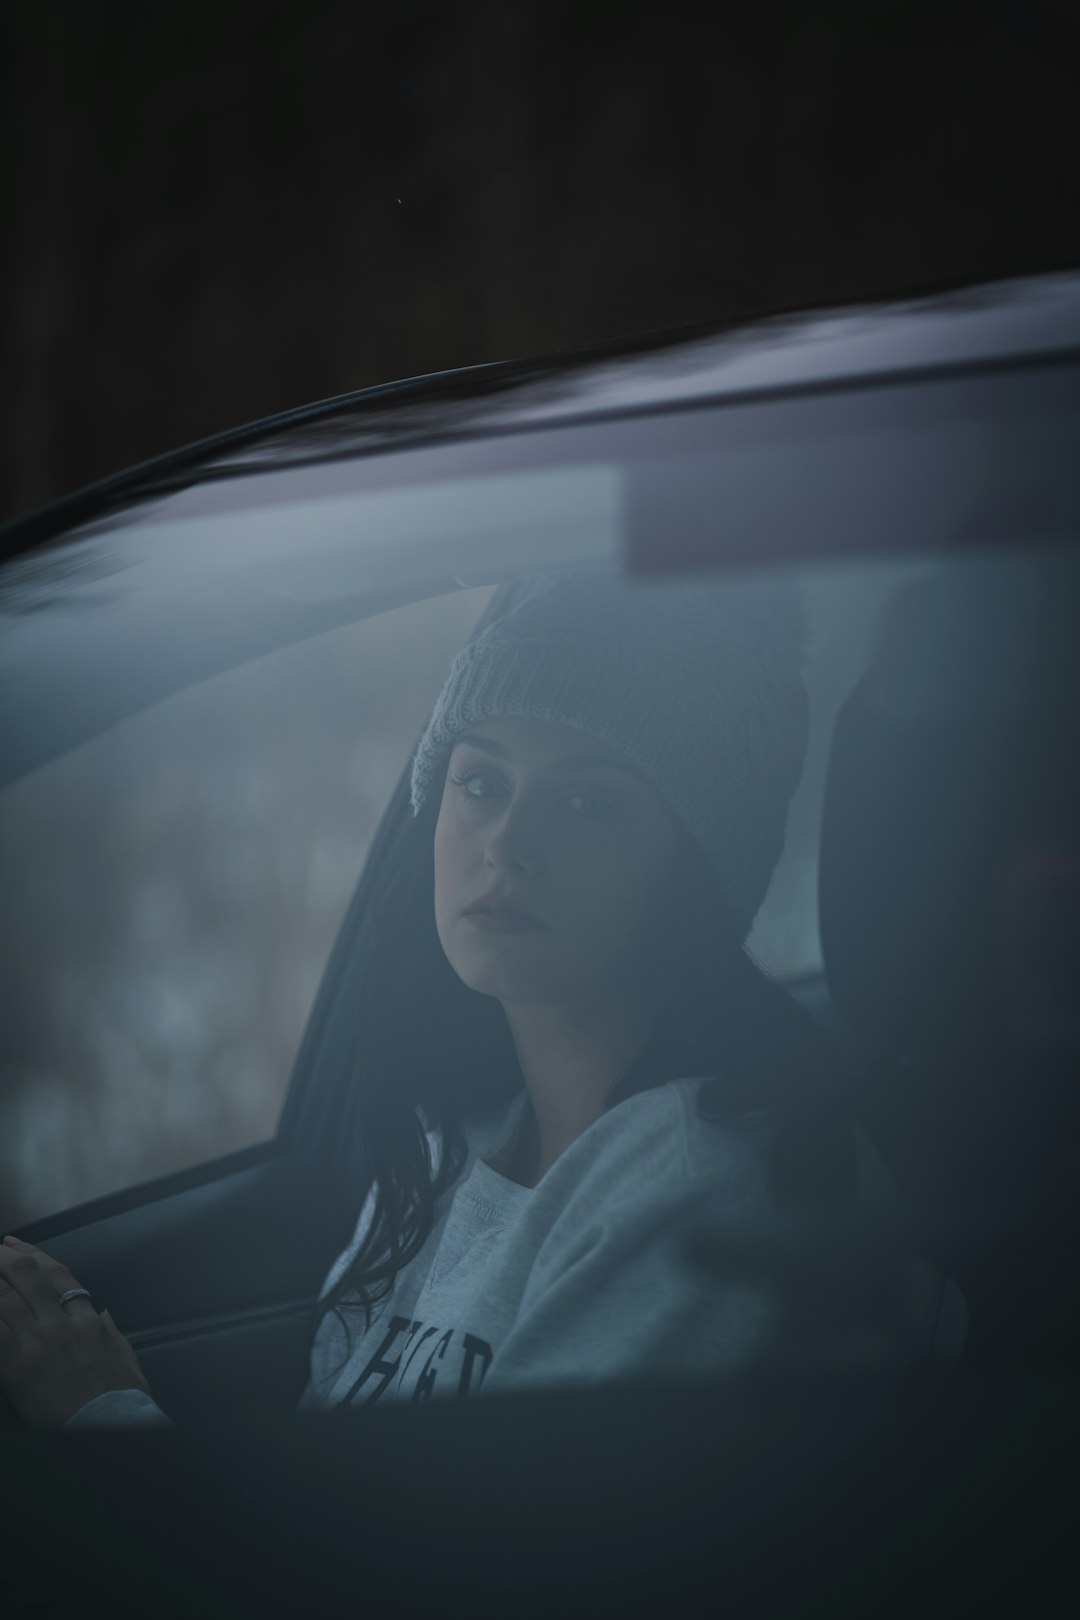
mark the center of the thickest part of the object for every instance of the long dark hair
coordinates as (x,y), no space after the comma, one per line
(431,1053)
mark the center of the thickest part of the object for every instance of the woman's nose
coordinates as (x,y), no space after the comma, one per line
(514,844)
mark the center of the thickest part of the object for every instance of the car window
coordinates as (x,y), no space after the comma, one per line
(173,886)
(206,700)
(171,892)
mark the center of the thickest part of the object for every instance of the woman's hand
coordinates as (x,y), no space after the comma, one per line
(54,1358)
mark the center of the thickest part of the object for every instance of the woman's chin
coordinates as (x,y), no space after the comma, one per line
(510,987)
(508,980)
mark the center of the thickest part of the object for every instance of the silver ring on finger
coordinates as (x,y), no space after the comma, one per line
(75,1293)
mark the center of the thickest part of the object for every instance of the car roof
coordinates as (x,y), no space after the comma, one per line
(1030,320)
(987,325)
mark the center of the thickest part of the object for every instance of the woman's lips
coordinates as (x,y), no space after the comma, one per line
(503,922)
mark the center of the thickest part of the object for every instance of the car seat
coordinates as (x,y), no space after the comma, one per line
(950,923)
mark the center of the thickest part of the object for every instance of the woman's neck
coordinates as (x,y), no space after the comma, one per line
(570,1058)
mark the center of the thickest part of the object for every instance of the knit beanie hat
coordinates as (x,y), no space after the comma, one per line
(698,685)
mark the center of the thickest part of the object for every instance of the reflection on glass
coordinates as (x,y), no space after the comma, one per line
(172,890)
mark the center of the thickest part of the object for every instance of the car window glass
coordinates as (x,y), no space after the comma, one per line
(205,701)
(842,607)
(171,892)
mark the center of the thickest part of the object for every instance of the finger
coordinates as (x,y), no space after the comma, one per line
(24,1276)
(10,1349)
(57,1273)
(15,1313)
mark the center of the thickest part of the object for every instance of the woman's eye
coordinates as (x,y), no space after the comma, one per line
(474,784)
(482,786)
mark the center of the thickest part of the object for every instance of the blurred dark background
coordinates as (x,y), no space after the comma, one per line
(213,211)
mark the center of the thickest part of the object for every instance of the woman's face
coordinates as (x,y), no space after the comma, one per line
(540,820)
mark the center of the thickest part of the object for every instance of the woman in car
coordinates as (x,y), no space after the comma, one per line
(582,1056)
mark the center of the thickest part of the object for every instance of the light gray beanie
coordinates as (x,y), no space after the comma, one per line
(699,685)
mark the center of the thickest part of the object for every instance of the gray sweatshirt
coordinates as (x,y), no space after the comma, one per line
(576,1281)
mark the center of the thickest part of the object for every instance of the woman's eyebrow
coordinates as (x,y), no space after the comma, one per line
(581,762)
(571,762)
(485,744)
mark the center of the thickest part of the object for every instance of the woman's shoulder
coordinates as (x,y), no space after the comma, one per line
(666,1146)
(648,1164)
(713,1133)
(727,1136)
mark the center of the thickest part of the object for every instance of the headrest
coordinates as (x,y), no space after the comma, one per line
(951,831)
